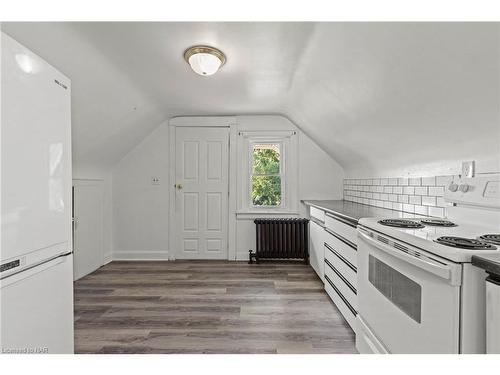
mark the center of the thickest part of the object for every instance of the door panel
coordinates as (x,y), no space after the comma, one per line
(88,205)
(191,203)
(214,211)
(214,160)
(191,157)
(201,192)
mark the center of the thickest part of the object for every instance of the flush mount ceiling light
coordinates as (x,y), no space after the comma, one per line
(204,60)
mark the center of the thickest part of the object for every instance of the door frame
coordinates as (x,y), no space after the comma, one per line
(88,182)
(210,122)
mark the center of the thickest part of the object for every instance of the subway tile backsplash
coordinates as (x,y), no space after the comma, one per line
(419,195)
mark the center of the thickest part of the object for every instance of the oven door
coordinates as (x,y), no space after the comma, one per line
(407,300)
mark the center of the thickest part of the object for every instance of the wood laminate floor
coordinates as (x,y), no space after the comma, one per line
(207,307)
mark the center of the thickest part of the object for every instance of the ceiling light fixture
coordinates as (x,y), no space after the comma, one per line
(204,60)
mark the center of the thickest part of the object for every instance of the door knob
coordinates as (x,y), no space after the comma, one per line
(178,186)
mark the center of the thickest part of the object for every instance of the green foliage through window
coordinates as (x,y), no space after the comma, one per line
(266,178)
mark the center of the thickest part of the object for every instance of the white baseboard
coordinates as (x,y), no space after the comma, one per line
(107,258)
(242,255)
(154,255)
(140,255)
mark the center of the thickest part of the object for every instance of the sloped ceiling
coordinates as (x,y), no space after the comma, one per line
(375,96)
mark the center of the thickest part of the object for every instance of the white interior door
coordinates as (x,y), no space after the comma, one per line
(201,198)
(88,208)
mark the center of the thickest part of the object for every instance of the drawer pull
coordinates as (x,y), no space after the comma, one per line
(336,253)
(340,238)
(341,277)
(342,220)
(341,296)
(317,221)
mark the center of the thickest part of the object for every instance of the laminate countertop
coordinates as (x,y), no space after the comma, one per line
(353,211)
(490,263)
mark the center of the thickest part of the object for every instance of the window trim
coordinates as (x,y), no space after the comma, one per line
(282,174)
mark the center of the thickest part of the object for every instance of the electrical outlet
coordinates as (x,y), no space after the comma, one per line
(468,168)
(155,180)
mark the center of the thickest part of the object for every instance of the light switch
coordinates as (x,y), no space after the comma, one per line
(155,180)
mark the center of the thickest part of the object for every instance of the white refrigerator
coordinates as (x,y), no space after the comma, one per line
(36,261)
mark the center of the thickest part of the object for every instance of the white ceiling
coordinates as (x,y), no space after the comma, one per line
(375,96)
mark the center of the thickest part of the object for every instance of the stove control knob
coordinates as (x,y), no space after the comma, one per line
(453,187)
(464,188)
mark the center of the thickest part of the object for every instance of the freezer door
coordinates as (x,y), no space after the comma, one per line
(37,309)
(35,154)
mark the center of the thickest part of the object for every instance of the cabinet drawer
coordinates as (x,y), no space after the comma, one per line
(340,282)
(345,249)
(347,311)
(346,269)
(317,214)
(344,230)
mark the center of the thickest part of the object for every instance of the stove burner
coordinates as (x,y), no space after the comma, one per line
(465,243)
(401,223)
(438,222)
(491,238)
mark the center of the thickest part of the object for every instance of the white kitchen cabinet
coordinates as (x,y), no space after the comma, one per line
(333,255)
(345,249)
(341,265)
(317,249)
(343,286)
(317,214)
(341,302)
(341,227)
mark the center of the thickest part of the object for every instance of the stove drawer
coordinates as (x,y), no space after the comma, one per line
(344,287)
(346,269)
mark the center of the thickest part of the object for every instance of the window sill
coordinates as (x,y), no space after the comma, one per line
(254,214)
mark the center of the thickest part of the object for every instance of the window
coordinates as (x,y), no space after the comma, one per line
(266,175)
(267,172)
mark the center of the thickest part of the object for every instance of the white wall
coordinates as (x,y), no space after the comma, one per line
(319,174)
(141,210)
(320,177)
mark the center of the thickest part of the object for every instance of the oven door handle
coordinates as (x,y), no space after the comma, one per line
(442,270)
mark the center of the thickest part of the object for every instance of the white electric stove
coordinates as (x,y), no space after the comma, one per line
(417,291)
